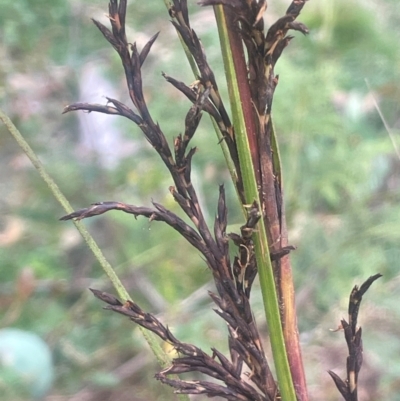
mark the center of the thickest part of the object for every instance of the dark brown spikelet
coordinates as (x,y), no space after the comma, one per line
(353,334)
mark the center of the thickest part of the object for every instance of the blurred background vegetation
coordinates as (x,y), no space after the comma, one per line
(342,181)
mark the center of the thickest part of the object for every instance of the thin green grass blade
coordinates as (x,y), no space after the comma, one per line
(151,338)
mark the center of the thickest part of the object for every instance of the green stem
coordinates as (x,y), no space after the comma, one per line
(151,338)
(265,271)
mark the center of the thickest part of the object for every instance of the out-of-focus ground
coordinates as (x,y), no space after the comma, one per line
(341,180)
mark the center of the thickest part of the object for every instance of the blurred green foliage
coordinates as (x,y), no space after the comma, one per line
(341,179)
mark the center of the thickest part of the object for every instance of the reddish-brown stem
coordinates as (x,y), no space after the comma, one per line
(244,88)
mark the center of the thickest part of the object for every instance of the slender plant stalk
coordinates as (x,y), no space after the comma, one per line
(265,271)
(151,339)
(287,293)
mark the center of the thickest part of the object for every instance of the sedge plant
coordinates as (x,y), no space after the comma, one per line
(249,142)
